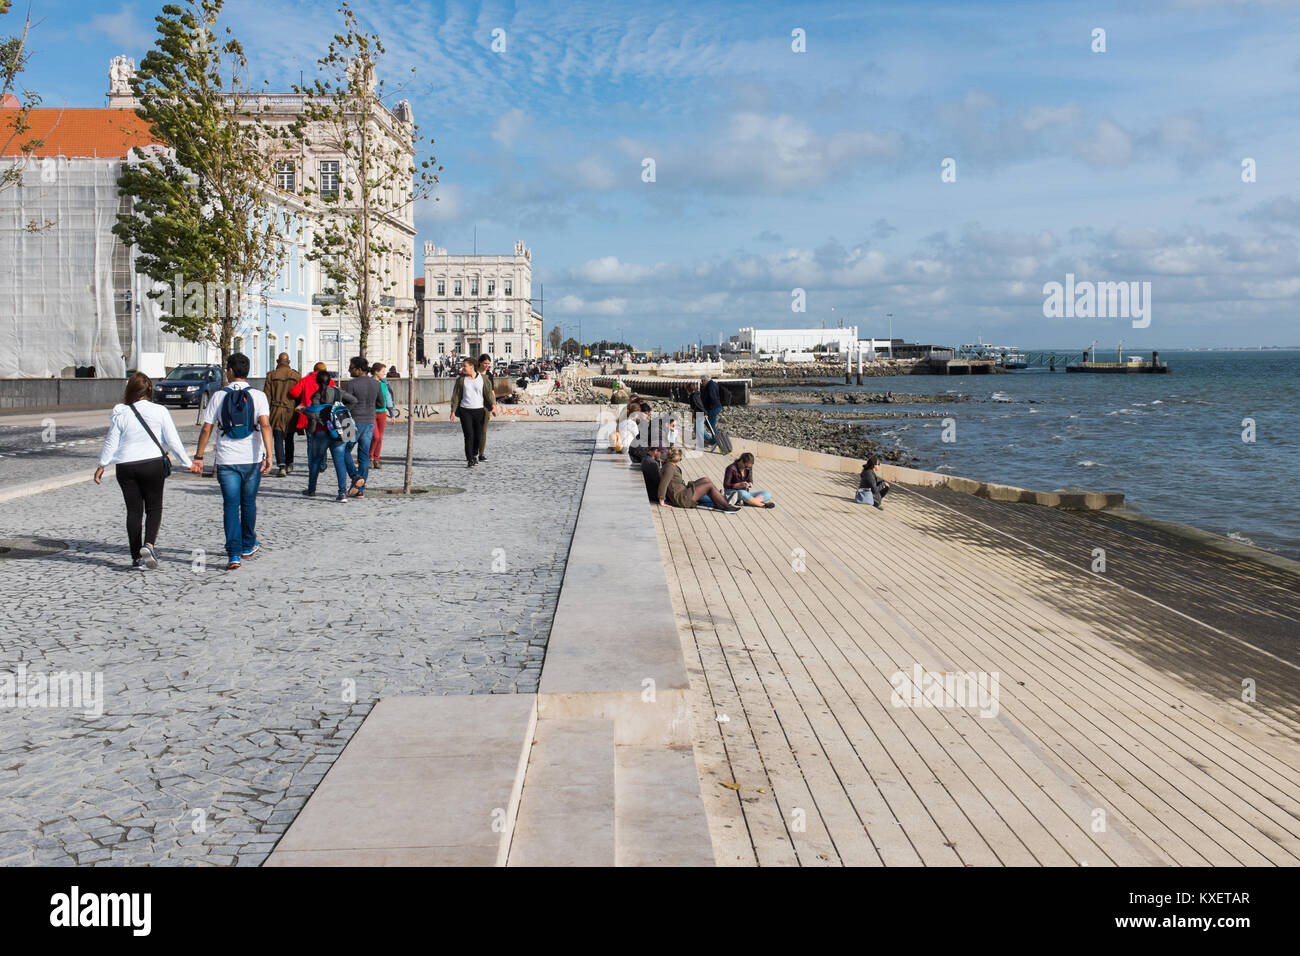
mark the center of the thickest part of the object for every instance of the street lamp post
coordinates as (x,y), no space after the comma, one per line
(890,316)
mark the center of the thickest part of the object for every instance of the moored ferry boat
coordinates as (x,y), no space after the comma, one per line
(1007,356)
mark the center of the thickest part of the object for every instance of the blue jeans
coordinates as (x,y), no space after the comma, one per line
(318,446)
(712,436)
(744,494)
(365,435)
(239,485)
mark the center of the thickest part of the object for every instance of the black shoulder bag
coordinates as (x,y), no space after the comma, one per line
(167,462)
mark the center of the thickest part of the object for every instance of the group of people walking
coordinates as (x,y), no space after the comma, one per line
(343,424)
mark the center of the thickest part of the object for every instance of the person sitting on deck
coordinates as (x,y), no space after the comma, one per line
(738,482)
(637,441)
(650,471)
(682,494)
(871,487)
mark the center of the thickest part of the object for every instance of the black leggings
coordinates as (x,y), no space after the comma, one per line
(142,489)
(471,423)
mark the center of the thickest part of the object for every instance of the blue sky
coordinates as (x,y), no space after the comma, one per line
(820,170)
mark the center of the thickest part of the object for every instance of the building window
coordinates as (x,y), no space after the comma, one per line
(508,285)
(507,348)
(491,322)
(302,346)
(442,288)
(442,321)
(473,322)
(442,348)
(459,320)
(329,178)
(492,287)
(455,288)
(285,177)
(509,323)
(271,340)
(473,287)
(492,346)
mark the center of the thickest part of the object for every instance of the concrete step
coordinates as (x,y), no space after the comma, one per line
(425,781)
(566,815)
(659,817)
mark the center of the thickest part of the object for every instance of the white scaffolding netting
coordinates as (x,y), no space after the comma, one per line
(57,305)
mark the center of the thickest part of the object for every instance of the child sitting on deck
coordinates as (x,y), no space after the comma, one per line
(871,487)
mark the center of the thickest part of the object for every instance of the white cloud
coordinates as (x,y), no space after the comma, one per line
(1108,146)
(509,127)
(123,29)
(608,270)
(592,173)
(573,304)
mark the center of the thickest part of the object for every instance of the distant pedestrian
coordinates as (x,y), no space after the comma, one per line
(472,401)
(241,416)
(739,480)
(366,390)
(673,435)
(383,409)
(323,435)
(139,433)
(489,386)
(711,399)
(687,494)
(279,383)
(871,487)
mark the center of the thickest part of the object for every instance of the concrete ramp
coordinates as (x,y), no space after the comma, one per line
(426,781)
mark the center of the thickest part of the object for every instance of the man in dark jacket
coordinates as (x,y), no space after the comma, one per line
(711,399)
(650,471)
(489,385)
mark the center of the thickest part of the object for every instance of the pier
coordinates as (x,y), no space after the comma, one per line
(963,366)
(674,388)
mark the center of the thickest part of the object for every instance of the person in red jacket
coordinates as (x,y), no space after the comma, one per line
(303,392)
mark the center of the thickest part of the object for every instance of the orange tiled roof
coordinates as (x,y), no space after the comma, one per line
(103,133)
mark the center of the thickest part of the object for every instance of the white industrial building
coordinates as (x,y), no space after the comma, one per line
(772,341)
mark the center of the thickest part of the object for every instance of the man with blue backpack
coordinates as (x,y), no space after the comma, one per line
(241,415)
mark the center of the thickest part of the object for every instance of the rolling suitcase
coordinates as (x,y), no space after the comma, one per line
(724,443)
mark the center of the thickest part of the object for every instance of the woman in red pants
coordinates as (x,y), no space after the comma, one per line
(382,411)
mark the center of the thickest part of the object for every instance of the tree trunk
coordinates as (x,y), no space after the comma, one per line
(410,407)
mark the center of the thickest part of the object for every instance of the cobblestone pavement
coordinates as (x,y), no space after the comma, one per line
(31,452)
(228,694)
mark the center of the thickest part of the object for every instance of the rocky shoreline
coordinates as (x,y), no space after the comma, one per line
(796,428)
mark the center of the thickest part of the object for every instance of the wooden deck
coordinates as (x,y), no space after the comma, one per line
(1121,736)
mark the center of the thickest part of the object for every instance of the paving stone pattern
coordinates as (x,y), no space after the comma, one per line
(31,453)
(227,695)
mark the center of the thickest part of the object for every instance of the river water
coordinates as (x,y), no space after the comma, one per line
(1173,444)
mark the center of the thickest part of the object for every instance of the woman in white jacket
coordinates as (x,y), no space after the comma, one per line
(137,433)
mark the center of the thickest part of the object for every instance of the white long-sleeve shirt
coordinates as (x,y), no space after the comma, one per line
(127,440)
